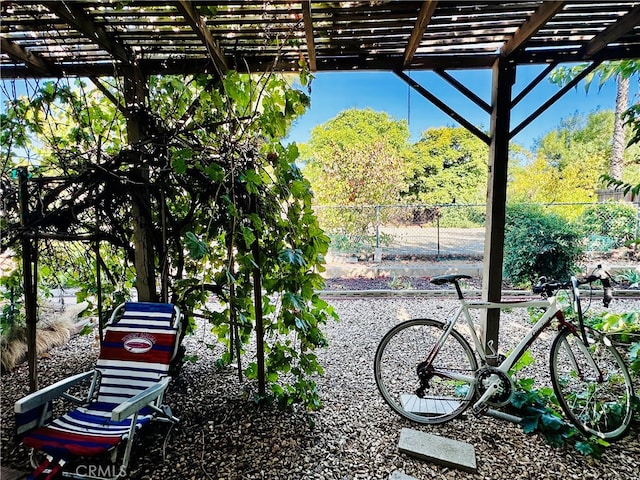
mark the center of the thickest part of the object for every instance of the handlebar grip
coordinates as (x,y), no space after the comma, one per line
(539,287)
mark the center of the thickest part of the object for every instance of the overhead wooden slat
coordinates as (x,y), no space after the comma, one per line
(613,32)
(87,36)
(308,32)
(31,60)
(546,11)
(75,17)
(193,18)
(424,17)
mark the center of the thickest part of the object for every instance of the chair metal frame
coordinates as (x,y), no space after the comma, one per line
(151,398)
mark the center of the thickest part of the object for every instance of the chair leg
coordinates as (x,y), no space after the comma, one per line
(55,470)
(40,468)
(127,450)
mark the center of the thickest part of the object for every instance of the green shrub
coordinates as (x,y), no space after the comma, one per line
(615,222)
(462,216)
(11,302)
(538,243)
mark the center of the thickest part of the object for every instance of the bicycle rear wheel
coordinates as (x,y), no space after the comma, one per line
(592,384)
(443,393)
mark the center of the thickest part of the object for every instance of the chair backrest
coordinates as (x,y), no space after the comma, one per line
(139,343)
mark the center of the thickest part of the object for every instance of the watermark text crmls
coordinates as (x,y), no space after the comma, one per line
(101,471)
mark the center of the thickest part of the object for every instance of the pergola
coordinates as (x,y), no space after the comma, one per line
(136,39)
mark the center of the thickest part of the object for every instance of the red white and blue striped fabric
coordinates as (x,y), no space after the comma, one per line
(136,352)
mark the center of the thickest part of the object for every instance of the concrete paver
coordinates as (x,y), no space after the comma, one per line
(440,450)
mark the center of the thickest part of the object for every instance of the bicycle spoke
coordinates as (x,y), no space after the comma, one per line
(592,384)
(443,391)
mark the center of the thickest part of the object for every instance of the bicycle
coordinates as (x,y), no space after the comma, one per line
(427,372)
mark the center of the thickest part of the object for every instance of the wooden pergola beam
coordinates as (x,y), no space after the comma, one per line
(542,15)
(503,80)
(423,20)
(308,32)
(444,107)
(464,90)
(557,96)
(193,18)
(105,91)
(75,17)
(612,33)
(32,61)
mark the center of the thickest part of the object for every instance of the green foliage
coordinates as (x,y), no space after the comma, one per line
(539,243)
(629,276)
(11,302)
(624,329)
(579,138)
(569,162)
(540,413)
(632,120)
(631,117)
(609,220)
(462,216)
(623,186)
(449,166)
(593,446)
(229,208)
(357,158)
(604,72)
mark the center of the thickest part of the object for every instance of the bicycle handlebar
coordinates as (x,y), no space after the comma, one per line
(549,288)
(605,279)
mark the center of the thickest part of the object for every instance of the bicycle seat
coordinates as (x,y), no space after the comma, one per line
(442,279)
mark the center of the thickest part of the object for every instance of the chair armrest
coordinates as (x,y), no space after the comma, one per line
(51,392)
(139,401)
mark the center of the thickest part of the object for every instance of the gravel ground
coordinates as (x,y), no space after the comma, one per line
(223,435)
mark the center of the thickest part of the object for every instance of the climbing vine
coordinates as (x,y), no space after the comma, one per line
(230,210)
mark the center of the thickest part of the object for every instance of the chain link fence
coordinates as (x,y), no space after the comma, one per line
(458,231)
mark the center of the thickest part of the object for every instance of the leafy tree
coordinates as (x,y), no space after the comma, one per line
(569,162)
(622,71)
(450,165)
(357,158)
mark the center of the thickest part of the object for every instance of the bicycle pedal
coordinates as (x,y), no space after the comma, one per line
(480,410)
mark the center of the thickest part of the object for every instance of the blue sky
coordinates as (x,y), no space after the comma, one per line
(333,92)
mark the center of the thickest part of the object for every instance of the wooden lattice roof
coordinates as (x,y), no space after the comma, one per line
(97,38)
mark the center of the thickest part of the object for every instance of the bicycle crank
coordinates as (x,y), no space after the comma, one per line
(495,388)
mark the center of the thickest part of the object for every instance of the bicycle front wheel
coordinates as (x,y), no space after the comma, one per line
(592,384)
(446,384)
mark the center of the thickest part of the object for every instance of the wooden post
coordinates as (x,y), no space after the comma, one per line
(503,79)
(96,248)
(29,280)
(144,261)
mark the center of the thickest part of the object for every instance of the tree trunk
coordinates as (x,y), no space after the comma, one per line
(135,95)
(617,152)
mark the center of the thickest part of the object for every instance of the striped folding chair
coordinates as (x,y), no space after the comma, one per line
(126,392)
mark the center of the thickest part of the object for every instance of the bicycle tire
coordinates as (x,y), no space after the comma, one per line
(397,357)
(599,405)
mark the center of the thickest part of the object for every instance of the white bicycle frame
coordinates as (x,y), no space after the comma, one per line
(552,311)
